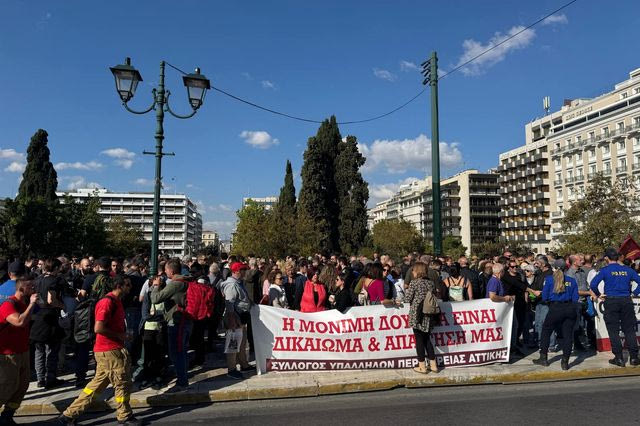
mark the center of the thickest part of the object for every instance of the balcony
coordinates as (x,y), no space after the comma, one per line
(557,182)
(590,176)
(636,166)
(556,214)
(618,134)
(569,179)
(579,178)
(606,172)
(621,170)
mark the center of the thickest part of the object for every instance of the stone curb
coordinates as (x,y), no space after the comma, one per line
(317,388)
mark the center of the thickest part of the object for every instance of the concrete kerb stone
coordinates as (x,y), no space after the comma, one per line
(306,385)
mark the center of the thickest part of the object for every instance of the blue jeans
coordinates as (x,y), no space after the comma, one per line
(178,347)
(541,314)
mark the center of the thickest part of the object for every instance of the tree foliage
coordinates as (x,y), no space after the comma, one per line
(124,238)
(319,196)
(284,216)
(39,180)
(489,249)
(453,247)
(396,237)
(353,194)
(602,218)
(254,231)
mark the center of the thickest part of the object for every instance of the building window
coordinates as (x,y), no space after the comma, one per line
(607,165)
(578,139)
(592,153)
(592,135)
(636,121)
(620,147)
(636,90)
(579,172)
(605,132)
(578,158)
(621,126)
(556,162)
(622,162)
(559,195)
(624,95)
(606,149)
(592,169)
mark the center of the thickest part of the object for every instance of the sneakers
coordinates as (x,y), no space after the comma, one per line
(634,362)
(617,361)
(66,421)
(236,375)
(247,368)
(41,384)
(131,421)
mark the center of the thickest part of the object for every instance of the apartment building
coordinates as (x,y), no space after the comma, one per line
(469,207)
(599,135)
(562,152)
(210,238)
(267,202)
(180,221)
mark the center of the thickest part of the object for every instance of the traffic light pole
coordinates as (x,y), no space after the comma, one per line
(435,157)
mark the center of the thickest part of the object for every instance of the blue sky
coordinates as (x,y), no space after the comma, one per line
(354,59)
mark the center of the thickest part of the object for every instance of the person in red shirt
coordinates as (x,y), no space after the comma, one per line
(314,296)
(113,363)
(15,370)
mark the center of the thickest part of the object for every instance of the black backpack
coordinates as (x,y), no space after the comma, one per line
(84,320)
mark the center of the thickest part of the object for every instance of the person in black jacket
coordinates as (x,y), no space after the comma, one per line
(340,298)
(514,285)
(471,276)
(301,279)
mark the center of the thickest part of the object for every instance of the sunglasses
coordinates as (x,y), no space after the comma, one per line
(512,266)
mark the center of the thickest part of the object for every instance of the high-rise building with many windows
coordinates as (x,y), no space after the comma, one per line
(180,221)
(562,152)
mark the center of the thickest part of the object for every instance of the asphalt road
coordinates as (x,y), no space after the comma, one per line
(583,402)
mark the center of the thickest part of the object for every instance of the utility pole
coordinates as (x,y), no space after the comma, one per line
(430,71)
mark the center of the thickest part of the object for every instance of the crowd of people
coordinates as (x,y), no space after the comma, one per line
(137,324)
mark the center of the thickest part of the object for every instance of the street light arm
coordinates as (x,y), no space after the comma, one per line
(153,105)
(168,109)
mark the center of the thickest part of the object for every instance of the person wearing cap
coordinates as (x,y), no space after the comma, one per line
(179,326)
(236,315)
(8,288)
(618,306)
(560,291)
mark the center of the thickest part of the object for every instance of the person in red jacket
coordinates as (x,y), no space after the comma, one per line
(314,296)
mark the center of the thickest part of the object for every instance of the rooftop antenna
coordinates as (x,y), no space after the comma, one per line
(546,104)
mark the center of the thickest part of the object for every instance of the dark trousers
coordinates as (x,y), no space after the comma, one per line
(81,359)
(197,341)
(561,316)
(424,345)
(154,351)
(619,314)
(47,361)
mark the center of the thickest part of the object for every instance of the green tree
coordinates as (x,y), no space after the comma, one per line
(396,237)
(602,218)
(318,200)
(39,180)
(489,249)
(453,247)
(284,216)
(124,238)
(84,228)
(254,231)
(353,194)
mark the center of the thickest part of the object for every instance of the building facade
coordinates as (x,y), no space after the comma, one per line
(469,207)
(210,238)
(180,222)
(267,202)
(563,151)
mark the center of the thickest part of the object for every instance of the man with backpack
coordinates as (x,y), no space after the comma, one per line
(113,364)
(94,287)
(15,369)
(179,325)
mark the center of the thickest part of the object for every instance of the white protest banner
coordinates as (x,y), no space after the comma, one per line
(602,335)
(470,333)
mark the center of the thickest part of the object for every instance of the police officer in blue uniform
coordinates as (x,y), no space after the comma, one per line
(561,293)
(618,306)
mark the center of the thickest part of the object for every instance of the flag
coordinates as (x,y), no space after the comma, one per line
(630,249)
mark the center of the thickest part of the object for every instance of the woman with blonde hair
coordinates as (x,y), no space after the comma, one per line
(561,293)
(422,324)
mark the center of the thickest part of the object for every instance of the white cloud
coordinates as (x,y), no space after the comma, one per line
(398,156)
(384,74)
(144,182)
(16,167)
(266,84)
(11,154)
(246,75)
(472,48)
(258,139)
(407,66)
(384,191)
(76,182)
(556,19)
(123,157)
(91,165)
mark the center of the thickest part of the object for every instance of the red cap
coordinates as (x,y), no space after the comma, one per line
(238,266)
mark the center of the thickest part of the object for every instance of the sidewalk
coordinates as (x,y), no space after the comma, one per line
(212,384)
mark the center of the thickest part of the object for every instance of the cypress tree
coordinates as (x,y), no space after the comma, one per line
(353,194)
(318,201)
(284,216)
(287,199)
(39,180)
